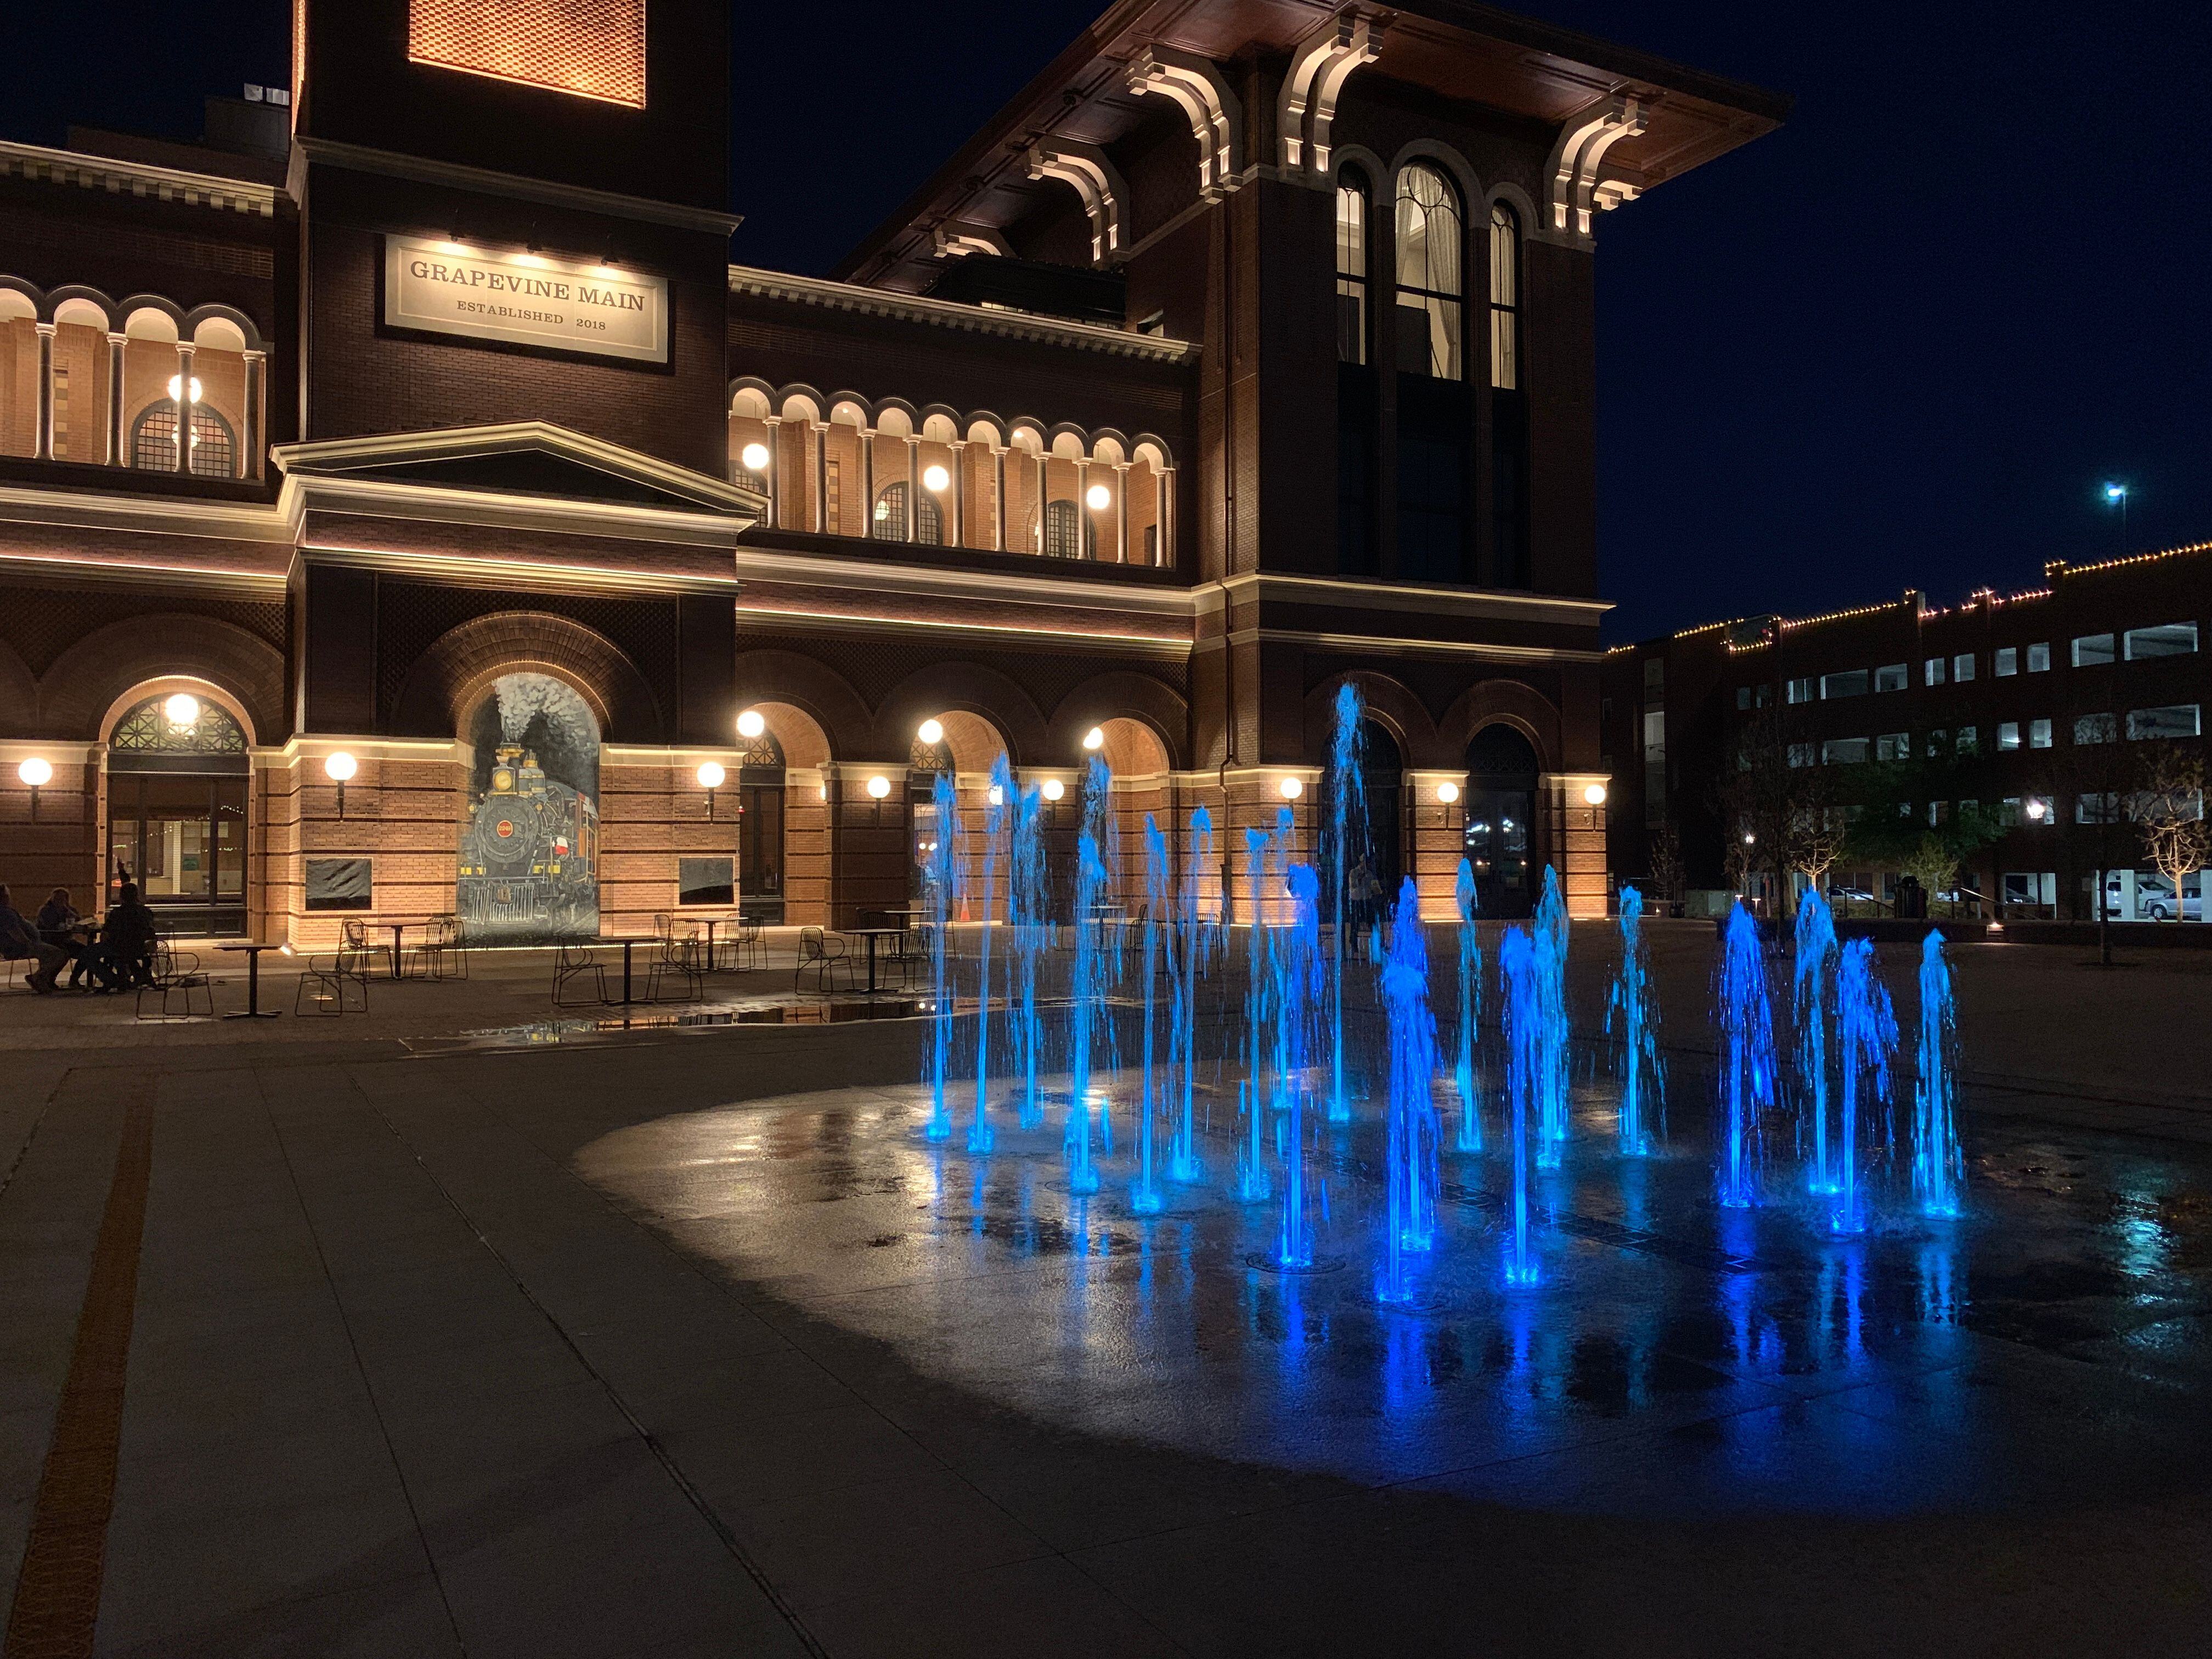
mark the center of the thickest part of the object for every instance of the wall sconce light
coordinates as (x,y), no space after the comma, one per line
(878,787)
(176,384)
(931,731)
(1595,794)
(751,725)
(1098,498)
(998,796)
(1448,792)
(755,457)
(36,774)
(1094,738)
(338,766)
(710,779)
(935,479)
(1053,788)
(1291,788)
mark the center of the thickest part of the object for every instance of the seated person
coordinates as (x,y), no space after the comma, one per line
(128,938)
(61,927)
(19,942)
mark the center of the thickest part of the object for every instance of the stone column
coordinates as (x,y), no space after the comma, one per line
(820,430)
(959,494)
(774,473)
(45,446)
(912,486)
(867,481)
(249,454)
(1164,497)
(116,457)
(185,405)
(999,498)
(1121,510)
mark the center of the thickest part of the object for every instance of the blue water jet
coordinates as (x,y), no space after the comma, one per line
(1553,1126)
(1252,1184)
(1470,1010)
(1523,1018)
(1347,822)
(1096,948)
(1866,1030)
(981,1136)
(1410,1173)
(1939,1166)
(1297,968)
(1196,949)
(1026,916)
(1159,882)
(1747,1081)
(1643,1074)
(940,872)
(1812,1006)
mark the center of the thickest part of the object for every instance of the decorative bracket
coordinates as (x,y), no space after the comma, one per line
(1216,117)
(1094,179)
(1321,65)
(955,241)
(1577,190)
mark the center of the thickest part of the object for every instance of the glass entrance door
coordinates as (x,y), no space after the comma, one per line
(181,837)
(1495,836)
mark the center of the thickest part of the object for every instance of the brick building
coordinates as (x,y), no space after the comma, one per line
(405,505)
(2032,708)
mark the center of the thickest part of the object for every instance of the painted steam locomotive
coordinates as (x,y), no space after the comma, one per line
(530,855)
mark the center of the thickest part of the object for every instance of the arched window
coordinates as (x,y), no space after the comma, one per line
(890,522)
(1504,298)
(153,442)
(1063,530)
(1351,268)
(1430,286)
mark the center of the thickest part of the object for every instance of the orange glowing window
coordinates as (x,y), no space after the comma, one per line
(593,48)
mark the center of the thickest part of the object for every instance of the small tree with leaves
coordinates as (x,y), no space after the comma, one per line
(1667,863)
(2168,810)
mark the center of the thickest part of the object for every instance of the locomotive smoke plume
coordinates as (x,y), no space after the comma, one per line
(522,696)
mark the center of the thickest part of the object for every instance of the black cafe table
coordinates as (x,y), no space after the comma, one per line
(871,934)
(397,928)
(254,1008)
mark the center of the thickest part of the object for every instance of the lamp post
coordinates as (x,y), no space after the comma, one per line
(2116,495)
(35,773)
(710,779)
(339,766)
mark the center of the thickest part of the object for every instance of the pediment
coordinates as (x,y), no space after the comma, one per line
(531,460)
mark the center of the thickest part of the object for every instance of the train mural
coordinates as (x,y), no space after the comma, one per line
(529,844)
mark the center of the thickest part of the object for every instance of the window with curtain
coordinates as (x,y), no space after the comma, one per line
(1504,298)
(1430,286)
(1352,269)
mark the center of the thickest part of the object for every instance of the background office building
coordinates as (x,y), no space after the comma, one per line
(405,504)
(2044,714)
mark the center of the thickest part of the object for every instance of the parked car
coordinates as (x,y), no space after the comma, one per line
(2154,902)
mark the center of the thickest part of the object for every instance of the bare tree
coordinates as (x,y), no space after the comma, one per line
(1667,863)
(1767,798)
(2168,810)
(2091,774)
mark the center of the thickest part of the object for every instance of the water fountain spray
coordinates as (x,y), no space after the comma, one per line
(1939,1166)
(1347,809)
(1297,956)
(1470,1010)
(1553,1126)
(996,802)
(941,868)
(1096,966)
(1259,993)
(1523,1018)
(1747,1081)
(1411,1166)
(1867,1032)
(1159,882)
(1025,914)
(1197,942)
(1643,1075)
(1814,1005)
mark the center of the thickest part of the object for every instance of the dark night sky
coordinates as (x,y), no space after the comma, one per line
(1900,343)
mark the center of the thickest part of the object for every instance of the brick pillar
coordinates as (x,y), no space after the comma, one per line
(1575,840)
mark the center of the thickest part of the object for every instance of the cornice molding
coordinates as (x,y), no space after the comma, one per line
(520,574)
(946,314)
(762,564)
(40,165)
(139,574)
(1380,646)
(421,170)
(1433,599)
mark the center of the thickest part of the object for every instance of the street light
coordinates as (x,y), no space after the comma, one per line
(710,779)
(2116,495)
(338,766)
(36,774)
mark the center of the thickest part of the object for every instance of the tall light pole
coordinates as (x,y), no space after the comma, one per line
(2116,495)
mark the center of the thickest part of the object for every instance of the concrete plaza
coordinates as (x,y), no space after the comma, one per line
(449,1329)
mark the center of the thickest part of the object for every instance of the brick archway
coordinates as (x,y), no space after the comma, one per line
(19,695)
(452,677)
(1389,704)
(1488,702)
(78,690)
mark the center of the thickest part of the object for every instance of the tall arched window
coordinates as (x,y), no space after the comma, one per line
(1504,298)
(1063,530)
(1430,286)
(154,441)
(1351,268)
(890,522)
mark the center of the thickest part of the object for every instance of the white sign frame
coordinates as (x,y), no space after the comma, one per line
(514,298)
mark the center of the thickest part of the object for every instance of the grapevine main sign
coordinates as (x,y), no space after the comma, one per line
(524,299)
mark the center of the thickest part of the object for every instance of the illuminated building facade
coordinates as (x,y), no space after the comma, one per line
(2033,711)
(417,417)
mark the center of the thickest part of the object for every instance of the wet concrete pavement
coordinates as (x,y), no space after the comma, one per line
(689,1344)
